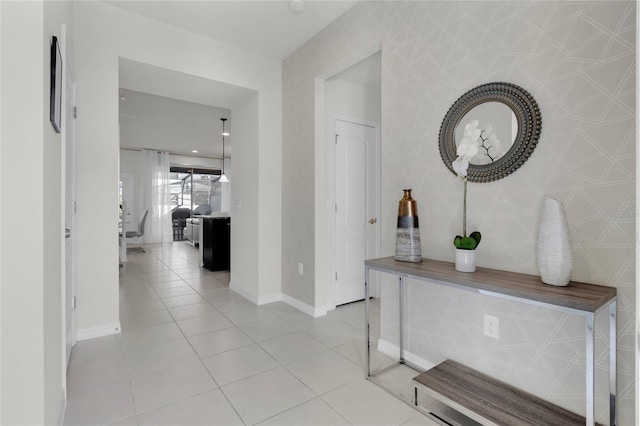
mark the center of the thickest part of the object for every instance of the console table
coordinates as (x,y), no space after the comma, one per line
(585,300)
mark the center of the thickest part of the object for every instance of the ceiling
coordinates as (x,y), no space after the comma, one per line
(172,125)
(267,27)
(158,81)
(153,97)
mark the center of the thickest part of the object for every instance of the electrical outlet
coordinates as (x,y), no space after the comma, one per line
(300,268)
(491,326)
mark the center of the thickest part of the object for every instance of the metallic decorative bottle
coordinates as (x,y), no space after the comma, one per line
(408,233)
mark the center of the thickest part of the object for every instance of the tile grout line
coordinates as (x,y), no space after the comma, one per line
(218,387)
(284,366)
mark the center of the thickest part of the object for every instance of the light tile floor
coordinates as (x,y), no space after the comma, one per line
(192,352)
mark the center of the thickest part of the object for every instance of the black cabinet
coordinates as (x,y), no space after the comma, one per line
(216,233)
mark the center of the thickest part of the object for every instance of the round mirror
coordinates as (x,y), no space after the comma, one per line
(502,120)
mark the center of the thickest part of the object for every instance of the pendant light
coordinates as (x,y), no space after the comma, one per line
(223,177)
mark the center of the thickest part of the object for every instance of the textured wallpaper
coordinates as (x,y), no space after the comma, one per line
(578,60)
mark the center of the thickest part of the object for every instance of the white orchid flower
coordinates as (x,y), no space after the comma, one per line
(471,130)
(471,126)
(467,149)
(460,166)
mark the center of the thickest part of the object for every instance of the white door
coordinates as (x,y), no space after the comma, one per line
(69,179)
(357,190)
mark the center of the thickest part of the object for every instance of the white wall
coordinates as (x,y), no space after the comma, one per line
(31,366)
(2,135)
(352,99)
(563,53)
(103,34)
(55,14)
(22,276)
(244,202)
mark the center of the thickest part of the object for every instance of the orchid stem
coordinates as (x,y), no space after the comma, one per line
(464,210)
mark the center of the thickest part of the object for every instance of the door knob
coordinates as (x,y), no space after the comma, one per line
(373,220)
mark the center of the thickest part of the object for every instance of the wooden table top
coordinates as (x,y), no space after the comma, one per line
(576,295)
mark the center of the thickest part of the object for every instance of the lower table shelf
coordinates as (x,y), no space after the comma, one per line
(490,401)
(582,299)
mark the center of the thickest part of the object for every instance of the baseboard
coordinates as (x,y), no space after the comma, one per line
(269,298)
(303,307)
(280,297)
(392,350)
(92,333)
(261,300)
(243,293)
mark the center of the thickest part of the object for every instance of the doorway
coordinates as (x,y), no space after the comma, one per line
(353,97)
(68,182)
(69,219)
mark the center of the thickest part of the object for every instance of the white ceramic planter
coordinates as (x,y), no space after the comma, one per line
(555,260)
(465,260)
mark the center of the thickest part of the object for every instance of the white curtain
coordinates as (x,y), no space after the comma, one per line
(155,197)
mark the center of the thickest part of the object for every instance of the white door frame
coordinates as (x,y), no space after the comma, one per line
(67,172)
(376,182)
(324,191)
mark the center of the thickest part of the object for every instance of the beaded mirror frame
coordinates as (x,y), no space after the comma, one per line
(529,125)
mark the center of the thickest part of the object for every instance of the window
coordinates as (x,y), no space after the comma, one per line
(195,190)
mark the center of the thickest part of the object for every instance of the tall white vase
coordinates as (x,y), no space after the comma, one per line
(555,259)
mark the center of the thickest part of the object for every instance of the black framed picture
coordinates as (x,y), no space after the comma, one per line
(55,106)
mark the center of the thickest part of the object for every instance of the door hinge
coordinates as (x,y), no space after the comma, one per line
(336,276)
(75,112)
(73,302)
(336,141)
(336,207)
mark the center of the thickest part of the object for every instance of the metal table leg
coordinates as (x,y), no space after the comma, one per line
(612,363)
(590,372)
(400,300)
(366,326)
